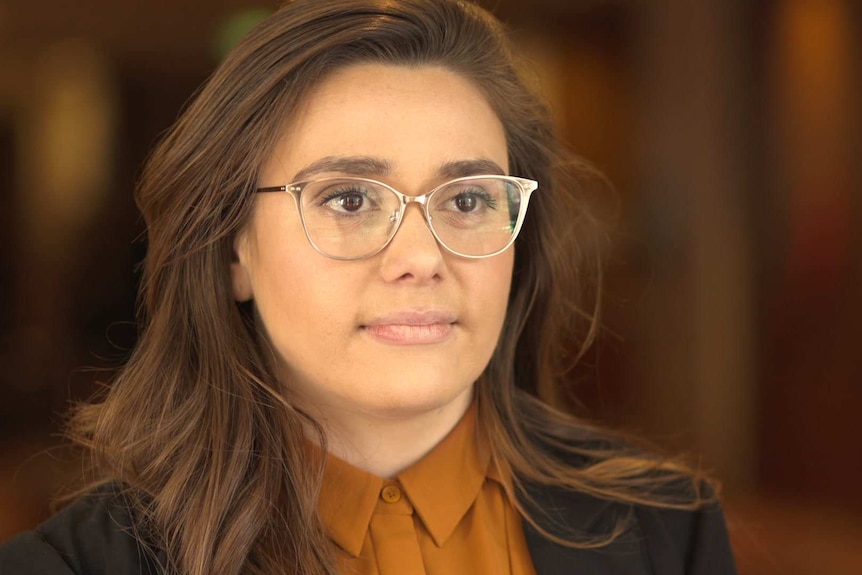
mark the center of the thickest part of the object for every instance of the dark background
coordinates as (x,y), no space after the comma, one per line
(730,130)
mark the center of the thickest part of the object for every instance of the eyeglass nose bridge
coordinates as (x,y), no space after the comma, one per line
(397,216)
(403,201)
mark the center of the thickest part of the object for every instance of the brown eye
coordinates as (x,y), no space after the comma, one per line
(465,203)
(351,202)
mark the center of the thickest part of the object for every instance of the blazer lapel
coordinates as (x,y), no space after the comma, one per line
(579,517)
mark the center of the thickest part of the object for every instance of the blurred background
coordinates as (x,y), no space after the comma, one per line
(729,128)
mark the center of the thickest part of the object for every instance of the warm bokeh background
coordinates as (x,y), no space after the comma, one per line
(730,128)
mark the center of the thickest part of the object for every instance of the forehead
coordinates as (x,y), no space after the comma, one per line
(409,116)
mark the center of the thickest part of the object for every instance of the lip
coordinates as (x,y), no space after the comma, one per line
(411,327)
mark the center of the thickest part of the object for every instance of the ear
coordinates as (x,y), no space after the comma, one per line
(240,274)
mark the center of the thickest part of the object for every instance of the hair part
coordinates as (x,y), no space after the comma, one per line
(196,426)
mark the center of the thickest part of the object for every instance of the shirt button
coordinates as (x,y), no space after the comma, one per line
(391,494)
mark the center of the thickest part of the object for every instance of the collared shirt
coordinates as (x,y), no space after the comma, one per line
(447,513)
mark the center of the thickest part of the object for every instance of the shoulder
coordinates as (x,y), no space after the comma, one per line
(92,536)
(696,539)
(654,539)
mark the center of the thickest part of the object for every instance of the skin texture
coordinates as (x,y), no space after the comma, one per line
(385,391)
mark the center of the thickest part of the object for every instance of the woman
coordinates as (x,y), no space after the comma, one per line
(331,379)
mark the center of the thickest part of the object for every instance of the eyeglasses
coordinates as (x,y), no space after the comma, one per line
(353,218)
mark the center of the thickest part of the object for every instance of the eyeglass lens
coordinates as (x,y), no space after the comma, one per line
(351,218)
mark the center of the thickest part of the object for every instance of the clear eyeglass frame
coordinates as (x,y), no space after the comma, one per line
(524,186)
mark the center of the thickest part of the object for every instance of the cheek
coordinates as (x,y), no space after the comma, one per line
(304,316)
(292,287)
(503,267)
(303,298)
(282,273)
(491,290)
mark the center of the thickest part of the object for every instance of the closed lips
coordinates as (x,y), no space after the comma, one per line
(412,327)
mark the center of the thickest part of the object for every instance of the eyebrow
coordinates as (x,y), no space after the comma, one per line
(372,166)
(462,168)
(350,165)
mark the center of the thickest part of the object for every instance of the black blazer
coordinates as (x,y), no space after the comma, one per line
(92,537)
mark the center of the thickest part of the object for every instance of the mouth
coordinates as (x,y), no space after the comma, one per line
(414,327)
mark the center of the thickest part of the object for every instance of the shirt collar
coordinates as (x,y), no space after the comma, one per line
(441,486)
(346,503)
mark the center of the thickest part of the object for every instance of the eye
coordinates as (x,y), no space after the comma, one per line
(348,199)
(465,202)
(350,202)
(471,200)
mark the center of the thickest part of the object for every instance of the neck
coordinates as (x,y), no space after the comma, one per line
(385,444)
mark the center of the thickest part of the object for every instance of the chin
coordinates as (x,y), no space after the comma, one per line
(415,396)
(394,389)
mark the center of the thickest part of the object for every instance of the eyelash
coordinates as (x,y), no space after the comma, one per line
(484,196)
(329,196)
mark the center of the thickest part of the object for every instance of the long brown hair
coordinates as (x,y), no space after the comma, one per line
(195,426)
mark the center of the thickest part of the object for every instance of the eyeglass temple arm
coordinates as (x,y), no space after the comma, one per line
(272,189)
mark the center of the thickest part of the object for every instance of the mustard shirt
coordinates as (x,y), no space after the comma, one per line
(448,513)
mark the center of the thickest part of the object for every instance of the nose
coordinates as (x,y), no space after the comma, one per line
(413,255)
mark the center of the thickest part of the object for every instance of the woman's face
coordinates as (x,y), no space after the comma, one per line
(410,329)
